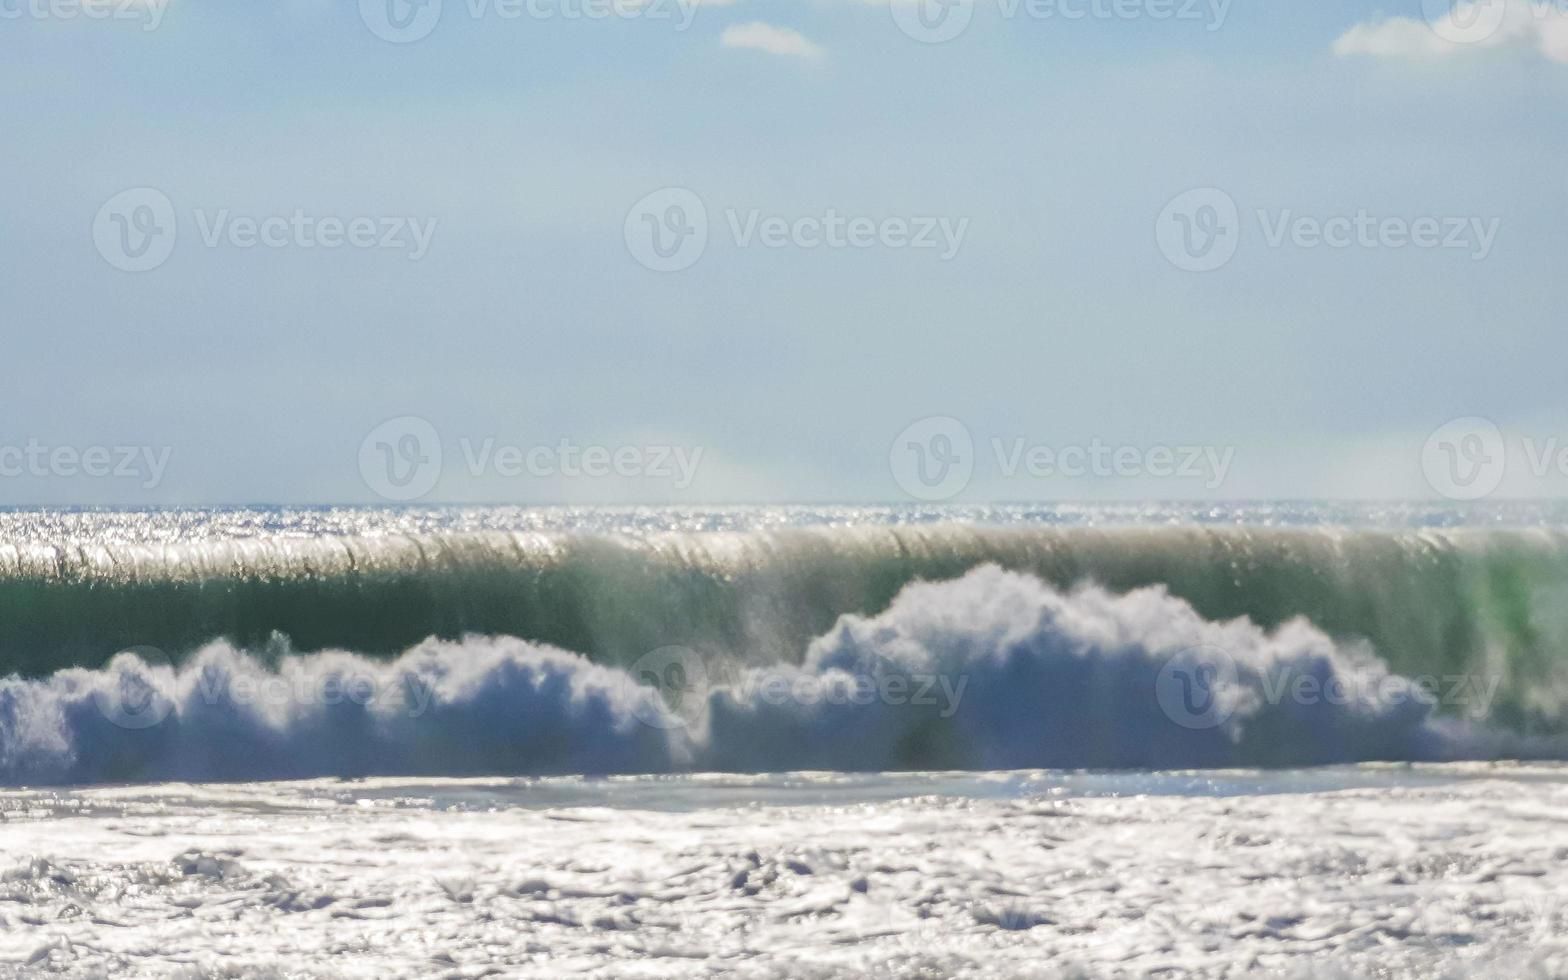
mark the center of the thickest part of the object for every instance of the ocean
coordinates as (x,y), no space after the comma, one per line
(1296,739)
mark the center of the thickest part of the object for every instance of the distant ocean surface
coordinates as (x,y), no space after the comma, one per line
(1296,739)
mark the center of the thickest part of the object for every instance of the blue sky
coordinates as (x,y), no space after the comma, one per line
(528,320)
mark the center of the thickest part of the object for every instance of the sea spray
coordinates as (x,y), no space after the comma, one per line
(1433,602)
(1036,677)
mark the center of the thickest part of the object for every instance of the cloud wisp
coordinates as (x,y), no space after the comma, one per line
(1469,26)
(760,36)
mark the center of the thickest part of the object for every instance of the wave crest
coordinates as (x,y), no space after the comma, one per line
(473,707)
(992,670)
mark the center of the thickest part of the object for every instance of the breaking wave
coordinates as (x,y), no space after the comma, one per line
(1431,601)
(993,669)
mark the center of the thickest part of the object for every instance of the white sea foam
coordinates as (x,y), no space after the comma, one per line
(1393,872)
(1015,674)
(479,706)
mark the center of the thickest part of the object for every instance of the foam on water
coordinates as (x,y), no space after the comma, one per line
(1431,871)
(995,669)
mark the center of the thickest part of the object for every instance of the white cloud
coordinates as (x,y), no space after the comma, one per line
(1518,26)
(773,40)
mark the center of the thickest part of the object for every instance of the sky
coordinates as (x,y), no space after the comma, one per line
(594,251)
